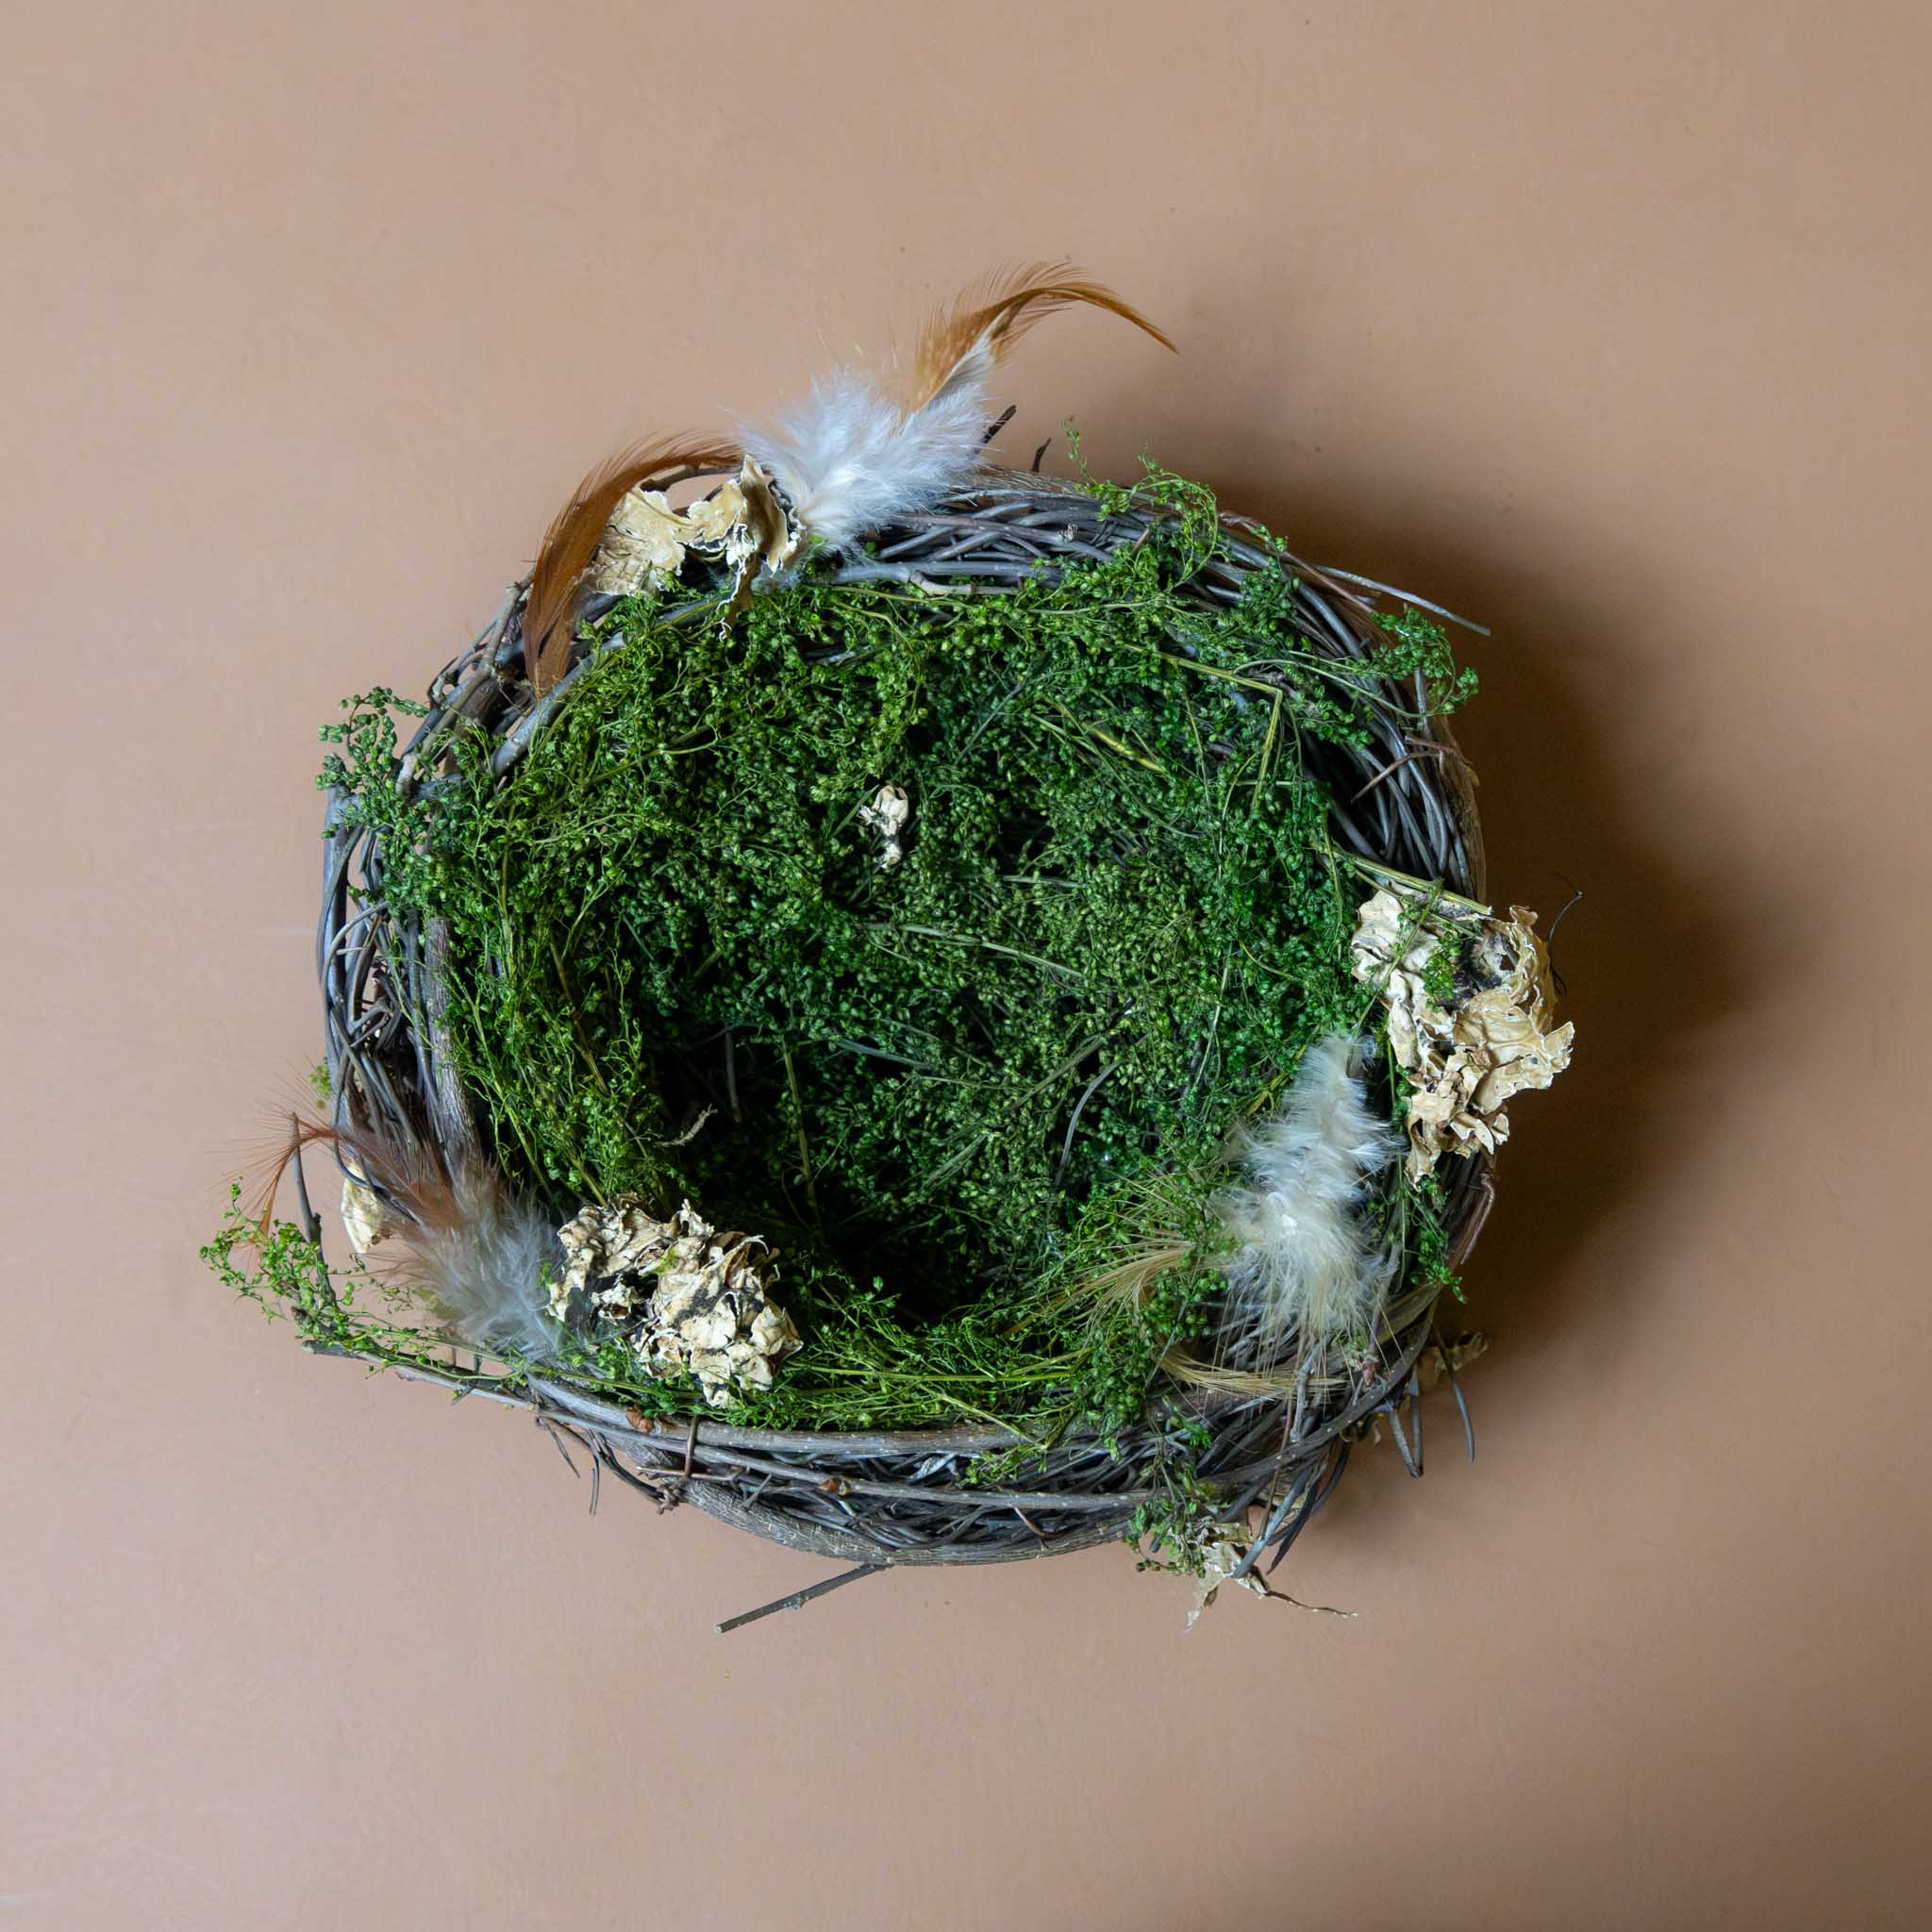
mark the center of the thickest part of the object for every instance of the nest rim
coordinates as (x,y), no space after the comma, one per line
(871,1497)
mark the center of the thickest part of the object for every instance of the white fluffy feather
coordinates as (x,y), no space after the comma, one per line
(1307,1262)
(851,460)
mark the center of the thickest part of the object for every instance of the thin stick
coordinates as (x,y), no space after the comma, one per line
(799,1598)
(311,1221)
(1074,1124)
(811,1192)
(1440,892)
(1395,765)
(1348,576)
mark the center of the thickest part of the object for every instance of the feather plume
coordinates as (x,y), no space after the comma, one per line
(851,460)
(963,344)
(479,1254)
(484,1267)
(571,543)
(1305,1260)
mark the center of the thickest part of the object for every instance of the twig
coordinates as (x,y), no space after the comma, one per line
(1455,1382)
(1557,978)
(1348,576)
(799,1598)
(1073,1122)
(811,1192)
(553,1431)
(1395,765)
(311,1221)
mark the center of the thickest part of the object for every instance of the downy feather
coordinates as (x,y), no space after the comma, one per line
(852,460)
(1307,1262)
(485,1268)
(477,1252)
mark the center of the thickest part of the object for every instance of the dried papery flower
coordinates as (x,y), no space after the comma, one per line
(743,521)
(1468,1037)
(700,1299)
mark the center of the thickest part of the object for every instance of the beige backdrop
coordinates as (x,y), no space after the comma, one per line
(1605,324)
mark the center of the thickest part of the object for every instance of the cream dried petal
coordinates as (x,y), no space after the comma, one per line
(768,520)
(644,538)
(710,521)
(366,1218)
(887,816)
(710,1327)
(765,538)
(774,1333)
(712,1370)
(749,1366)
(662,1357)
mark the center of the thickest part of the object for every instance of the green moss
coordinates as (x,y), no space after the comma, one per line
(951,1090)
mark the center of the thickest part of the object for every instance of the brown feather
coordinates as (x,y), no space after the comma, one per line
(570,545)
(992,315)
(411,1176)
(475,1253)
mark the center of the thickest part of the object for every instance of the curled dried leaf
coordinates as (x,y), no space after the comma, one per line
(1225,1555)
(1449,1358)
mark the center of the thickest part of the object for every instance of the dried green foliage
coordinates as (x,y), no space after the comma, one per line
(956,1092)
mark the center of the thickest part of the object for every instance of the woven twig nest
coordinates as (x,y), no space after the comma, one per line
(1261,1445)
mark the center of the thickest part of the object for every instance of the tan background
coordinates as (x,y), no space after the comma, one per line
(1606,324)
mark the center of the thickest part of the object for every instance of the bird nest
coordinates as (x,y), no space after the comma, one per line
(1239,1369)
